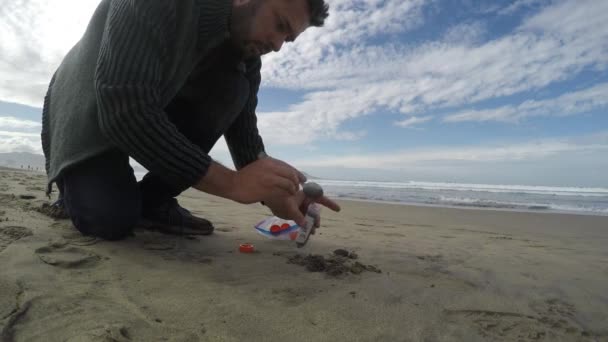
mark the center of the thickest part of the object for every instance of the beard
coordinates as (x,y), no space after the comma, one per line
(241,27)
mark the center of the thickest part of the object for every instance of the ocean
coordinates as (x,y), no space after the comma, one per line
(579,200)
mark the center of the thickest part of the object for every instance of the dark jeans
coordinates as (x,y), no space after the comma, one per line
(102,195)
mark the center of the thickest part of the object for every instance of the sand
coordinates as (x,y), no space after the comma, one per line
(436,274)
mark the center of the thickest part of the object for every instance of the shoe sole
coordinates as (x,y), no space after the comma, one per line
(172,229)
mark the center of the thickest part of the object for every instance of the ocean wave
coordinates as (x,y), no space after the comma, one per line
(446,201)
(480,203)
(514,189)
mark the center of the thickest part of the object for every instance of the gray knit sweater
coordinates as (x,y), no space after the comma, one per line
(111,89)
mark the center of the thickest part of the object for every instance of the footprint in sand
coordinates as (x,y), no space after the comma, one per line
(226,229)
(393,234)
(9,292)
(64,256)
(8,200)
(115,332)
(11,234)
(187,256)
(497,325)
(553,322)
(294,296)
(75,238)
(156,243)
(431,258)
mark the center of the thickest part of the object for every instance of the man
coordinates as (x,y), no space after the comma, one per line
(161,81)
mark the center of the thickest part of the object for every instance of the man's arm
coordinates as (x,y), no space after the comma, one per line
(243,139)
(136,59)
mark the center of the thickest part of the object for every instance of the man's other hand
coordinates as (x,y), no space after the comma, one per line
(265,179)
(293,207)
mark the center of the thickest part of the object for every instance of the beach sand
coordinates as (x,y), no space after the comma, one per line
(446,275)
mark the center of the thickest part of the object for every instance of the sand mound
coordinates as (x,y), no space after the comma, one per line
(340,262)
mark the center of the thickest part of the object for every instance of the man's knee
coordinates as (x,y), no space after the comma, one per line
(106,224)
(109,219)
(102,197)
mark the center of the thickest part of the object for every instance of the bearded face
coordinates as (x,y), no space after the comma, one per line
(261,26)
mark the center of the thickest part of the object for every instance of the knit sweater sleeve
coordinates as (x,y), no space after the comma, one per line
(243,139)
(136,57)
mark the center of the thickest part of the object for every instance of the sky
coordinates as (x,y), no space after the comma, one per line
(498,92)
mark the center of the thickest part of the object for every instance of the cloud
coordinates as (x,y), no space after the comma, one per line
(358,64)
(351,22)
(412,121)
(341,84)
(578,102)
(319,115)
(20,142)
(517,5)
(18,135)
(36,34)
(465,33)
(11,122)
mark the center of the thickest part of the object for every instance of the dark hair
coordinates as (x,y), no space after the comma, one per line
(318,12)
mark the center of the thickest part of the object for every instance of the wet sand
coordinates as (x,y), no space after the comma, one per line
(435,274)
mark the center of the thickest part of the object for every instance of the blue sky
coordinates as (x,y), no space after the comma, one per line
(506,92)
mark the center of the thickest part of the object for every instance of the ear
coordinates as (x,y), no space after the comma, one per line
(240,2)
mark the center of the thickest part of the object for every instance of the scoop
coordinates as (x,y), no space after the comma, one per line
(313,191)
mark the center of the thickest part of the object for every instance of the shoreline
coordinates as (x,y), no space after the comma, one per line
(472,207)
(417,204)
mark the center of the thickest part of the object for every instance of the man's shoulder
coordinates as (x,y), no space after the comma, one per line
(253,65)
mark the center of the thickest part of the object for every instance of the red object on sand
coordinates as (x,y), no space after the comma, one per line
(246,248)
(276,229)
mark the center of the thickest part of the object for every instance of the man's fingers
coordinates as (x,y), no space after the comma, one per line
(299,176)
(281,188)
(288,173)
(285,185)
(304,203)
(294,209)
(297,216)
(328,203)
(279,193)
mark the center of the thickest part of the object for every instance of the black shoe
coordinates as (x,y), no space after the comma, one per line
(55,210)
(171,218)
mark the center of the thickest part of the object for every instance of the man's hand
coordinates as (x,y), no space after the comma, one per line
(294,207)
(270,180)
(259,181)
(265,179)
